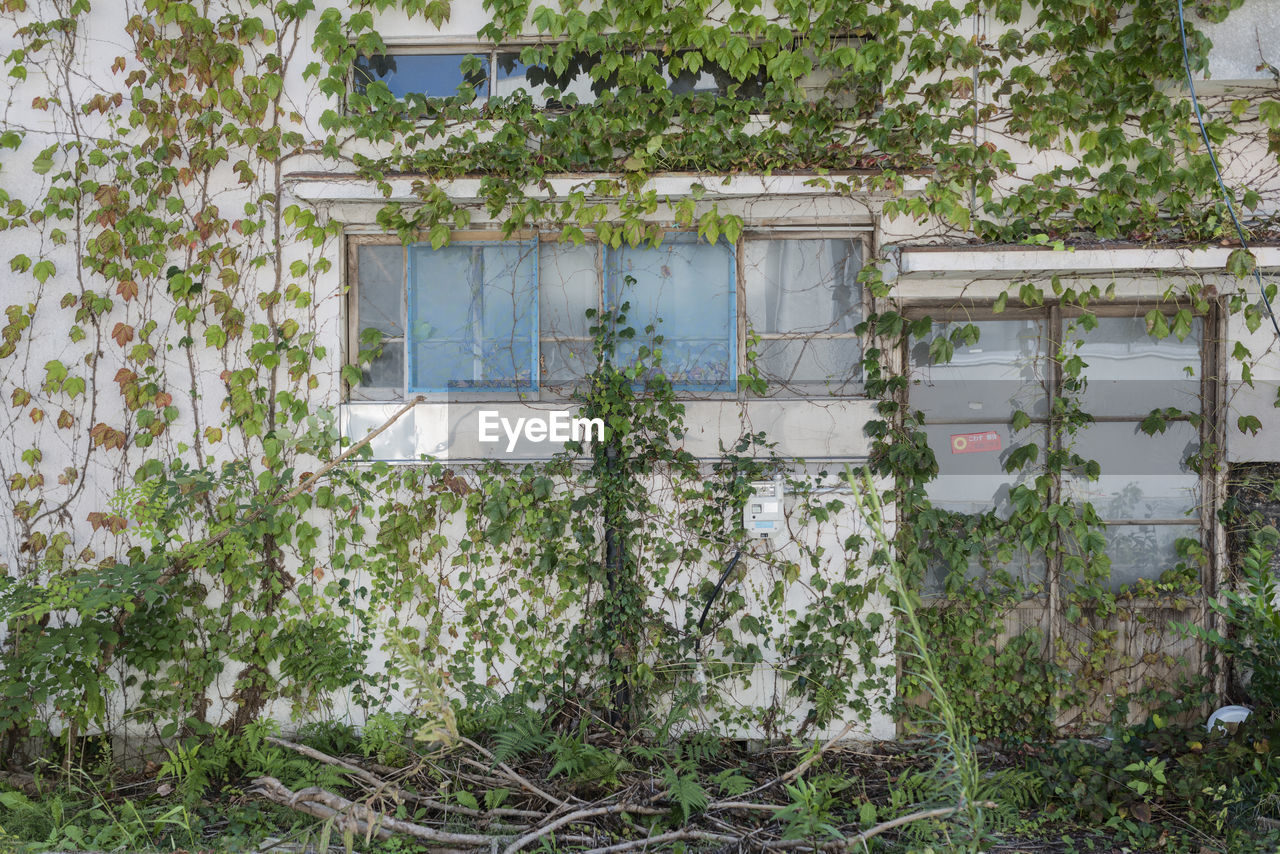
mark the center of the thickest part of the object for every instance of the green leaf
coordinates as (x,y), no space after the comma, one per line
(1157,324)
(1182,324)
(1269,112)
(1241,263)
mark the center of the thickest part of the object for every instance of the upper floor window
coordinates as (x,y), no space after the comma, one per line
(512,317)
(498,72)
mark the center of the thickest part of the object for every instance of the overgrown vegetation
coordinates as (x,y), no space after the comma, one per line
(188,552)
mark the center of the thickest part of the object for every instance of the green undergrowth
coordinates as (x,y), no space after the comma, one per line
(1154,787)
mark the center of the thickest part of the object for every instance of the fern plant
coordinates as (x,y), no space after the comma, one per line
(685,790)
(521,734)
(585,763)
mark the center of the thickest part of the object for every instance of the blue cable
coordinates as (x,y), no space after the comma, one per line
(1226,196)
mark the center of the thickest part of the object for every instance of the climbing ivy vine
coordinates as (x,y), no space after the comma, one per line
(171,352)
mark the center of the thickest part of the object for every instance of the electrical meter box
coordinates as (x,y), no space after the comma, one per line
(762,514)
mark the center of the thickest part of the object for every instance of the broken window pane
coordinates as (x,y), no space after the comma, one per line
(1003,372)
(473,316)
(432,75)
(684,288)
(1131,373)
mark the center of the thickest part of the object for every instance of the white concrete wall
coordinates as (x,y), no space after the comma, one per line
(803,428)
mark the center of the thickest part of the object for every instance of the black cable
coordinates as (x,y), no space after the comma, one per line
(715,591)
(1226,195)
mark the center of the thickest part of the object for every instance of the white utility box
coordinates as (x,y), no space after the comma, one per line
(762,513)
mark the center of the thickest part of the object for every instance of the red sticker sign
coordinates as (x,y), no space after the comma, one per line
(975,443)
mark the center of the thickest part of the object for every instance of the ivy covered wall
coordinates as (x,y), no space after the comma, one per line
(178,182)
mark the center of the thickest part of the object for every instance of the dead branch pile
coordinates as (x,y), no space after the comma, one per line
(413,802)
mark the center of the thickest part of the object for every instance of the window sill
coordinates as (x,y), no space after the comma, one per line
(330,187)
(813,429)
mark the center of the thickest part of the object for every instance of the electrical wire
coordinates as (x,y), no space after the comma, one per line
(1226,195)
(724,576)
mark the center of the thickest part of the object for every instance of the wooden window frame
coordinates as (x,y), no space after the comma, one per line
(738,360)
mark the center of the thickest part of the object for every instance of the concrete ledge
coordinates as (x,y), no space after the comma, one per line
(1011,261)
(329,187)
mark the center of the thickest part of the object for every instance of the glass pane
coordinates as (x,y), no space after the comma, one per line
(565,362)
(398,441)
(1144,551)
(380,289)
(386,371)
(512,75)
(811,365)
(568,285)
(802,285)
(472,312)
(971,476)
(435,75)
(1021,566)
(1131,373)
(685,289)
(1002,372)
(713,79)
(1143,477)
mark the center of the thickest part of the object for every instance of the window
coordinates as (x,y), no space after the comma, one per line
(432,75)
(1001,375)
(488,316)
(473,321)
(502,72)
(803,303)
(685,288)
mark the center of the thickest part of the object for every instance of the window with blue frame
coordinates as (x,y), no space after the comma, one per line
(511,317)
(682,303)
(473,316)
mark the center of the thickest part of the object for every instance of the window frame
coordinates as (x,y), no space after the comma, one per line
(1210,431)
(353,239)
(490,51)
(864,301)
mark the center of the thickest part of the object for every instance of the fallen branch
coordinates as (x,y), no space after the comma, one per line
(662,838)
(861,838)
(922,815)
(744,805)
(381,785)
(579,815)
(803,766)
(510,773)
(312,753)
(360,819)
